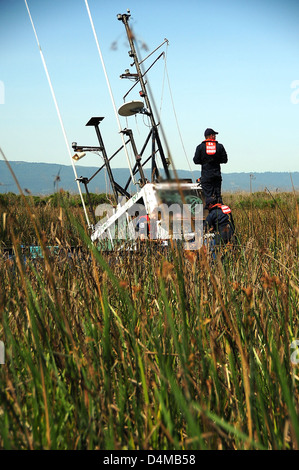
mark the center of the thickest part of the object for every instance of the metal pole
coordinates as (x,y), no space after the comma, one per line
(137,156)
(132,53)
(106,160)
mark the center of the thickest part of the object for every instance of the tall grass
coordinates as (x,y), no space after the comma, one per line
(153,349)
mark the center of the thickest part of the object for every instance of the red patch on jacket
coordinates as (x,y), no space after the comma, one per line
(210,147)
(225,209)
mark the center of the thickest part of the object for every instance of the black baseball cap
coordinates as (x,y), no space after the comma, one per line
(209,131)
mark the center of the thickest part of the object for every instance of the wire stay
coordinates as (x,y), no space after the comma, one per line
(58,111)
(110,90)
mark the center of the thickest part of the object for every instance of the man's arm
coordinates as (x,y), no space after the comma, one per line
(222,154)
(208,224)
(197,156)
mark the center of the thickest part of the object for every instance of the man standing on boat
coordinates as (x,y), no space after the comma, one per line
(210,154)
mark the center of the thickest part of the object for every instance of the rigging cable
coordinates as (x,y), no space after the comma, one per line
(110,91)
(163,83)
(58,112)
(175,115)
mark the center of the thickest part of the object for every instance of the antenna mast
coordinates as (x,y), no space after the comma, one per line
(132,53)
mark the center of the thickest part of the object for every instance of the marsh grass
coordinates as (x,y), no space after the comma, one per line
(152,349)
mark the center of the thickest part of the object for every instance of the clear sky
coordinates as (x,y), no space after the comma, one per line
(231,65)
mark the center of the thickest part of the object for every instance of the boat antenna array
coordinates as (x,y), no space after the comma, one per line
(137,107)
(127,109)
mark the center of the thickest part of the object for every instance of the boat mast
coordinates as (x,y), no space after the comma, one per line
(155,134)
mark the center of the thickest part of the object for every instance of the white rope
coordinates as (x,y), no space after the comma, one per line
(110,91)
(58,112)
(175,115)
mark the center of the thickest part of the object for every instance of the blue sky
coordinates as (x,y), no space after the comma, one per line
(231,65)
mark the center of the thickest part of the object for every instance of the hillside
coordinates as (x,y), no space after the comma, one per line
(39,178)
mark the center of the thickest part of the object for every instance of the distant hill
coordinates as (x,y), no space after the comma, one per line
(39,179)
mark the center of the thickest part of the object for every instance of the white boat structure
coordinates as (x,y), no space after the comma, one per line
(173,207)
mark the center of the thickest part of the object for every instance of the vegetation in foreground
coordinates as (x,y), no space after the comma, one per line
(152,349)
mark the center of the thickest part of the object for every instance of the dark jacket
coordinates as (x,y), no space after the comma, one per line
(220,220)
(210,154)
